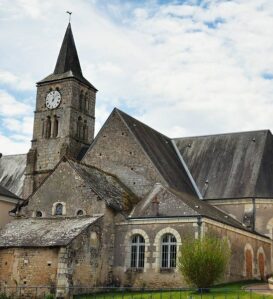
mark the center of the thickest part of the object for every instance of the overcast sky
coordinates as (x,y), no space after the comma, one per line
(188,67)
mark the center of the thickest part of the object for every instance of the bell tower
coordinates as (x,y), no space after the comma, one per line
(64,117)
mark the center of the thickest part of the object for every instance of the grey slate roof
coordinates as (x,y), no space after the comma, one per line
(41,232)
(162,153)
(231,165)
(175,204)
(5,192)
(106,186)
(68,63)
(12,170)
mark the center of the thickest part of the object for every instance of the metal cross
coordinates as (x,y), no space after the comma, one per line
(70,13)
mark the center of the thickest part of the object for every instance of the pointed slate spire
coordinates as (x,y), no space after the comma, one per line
(68,63)
(68,59)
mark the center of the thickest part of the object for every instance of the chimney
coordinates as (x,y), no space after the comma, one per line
(155,206)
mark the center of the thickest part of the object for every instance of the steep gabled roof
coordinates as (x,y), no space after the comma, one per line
(231,165)
(68,63)
(12,168)
(106,186)
(161,151)
(172,203)
(41,232)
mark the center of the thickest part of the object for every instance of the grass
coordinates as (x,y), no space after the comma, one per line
(225,291)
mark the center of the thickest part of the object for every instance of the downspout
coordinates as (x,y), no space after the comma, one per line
(199,227)
(254,213)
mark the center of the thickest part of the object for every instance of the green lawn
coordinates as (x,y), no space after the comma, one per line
(227,291)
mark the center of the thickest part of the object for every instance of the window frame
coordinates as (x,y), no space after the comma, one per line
(137,253)
(168,252)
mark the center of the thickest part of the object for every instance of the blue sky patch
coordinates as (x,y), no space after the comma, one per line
(267,75)
(215,24)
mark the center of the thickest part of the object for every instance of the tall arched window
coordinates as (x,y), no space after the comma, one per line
(85,131)
(137,251)
(168,251)
(81,101)
(48,127)
(86,101)
(55,127)
(79,128)
(59,209)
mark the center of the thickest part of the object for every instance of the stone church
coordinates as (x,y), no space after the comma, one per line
(114,210)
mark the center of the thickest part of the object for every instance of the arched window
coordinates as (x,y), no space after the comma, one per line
(86,101)
(85,131)
(80,213)
(168,251)
(81,101)
(39,214)
(79,128)
(55,127)
(137,251)
(48,127)
(59,209)
(249,261)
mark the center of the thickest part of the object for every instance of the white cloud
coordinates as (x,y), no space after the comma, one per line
(16,82)
(22,126)
(12,107)
(11,146)
(183,69)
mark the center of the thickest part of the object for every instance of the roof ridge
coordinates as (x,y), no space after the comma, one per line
(222,134)
(179,194)
(143,124)
(12,155)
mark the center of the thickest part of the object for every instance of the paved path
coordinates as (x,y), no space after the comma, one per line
(259,289)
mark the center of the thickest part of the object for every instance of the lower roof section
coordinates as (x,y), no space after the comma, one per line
(41,232)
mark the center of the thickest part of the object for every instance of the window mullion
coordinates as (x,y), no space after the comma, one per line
(137,253)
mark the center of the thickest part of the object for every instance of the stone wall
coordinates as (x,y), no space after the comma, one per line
(48,148)
(67,187)
(255,213)
(115,150)
(240,244)
(6,204)
(28,267)
(152,230)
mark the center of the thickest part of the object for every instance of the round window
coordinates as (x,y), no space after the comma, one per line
(79,212)
(39,214)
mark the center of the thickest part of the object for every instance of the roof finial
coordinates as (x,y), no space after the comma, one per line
(70,13)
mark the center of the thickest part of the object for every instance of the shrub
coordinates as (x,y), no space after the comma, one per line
(204,261)
(49,296)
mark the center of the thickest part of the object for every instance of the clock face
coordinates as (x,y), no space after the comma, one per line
(53,99)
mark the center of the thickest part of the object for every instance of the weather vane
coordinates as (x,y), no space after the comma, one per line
(70,13)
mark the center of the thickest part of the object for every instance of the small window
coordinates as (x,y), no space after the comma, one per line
(137,251)
(39,214)
(80,213)
(168,251)
(59,209)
